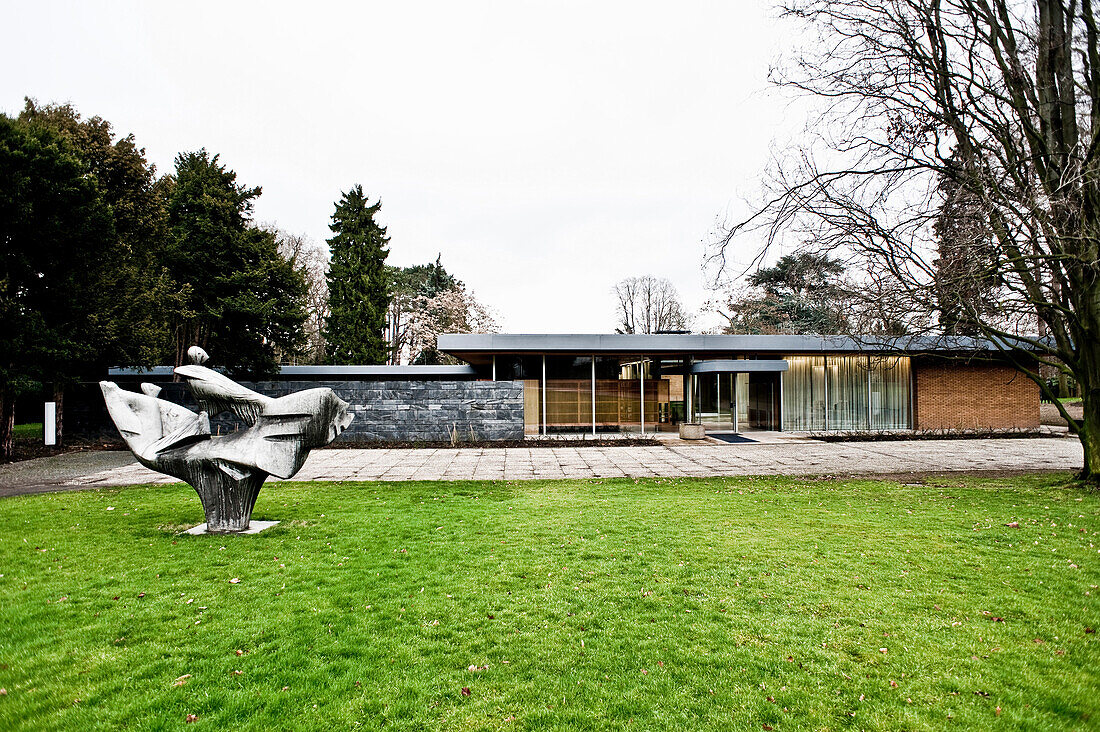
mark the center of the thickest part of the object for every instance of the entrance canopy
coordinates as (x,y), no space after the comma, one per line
(739,366)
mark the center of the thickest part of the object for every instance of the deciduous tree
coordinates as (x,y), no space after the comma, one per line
(1002,99)
(649,304)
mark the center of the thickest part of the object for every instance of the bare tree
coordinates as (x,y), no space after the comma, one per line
(1000,97)
(311,258)
(649,304)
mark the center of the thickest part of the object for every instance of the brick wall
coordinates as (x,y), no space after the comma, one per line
(402,411)
(957,395)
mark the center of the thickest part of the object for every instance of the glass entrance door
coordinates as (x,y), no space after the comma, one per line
(714,400)
(737,402)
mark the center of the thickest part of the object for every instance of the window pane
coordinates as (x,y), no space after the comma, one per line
(569,393)
(891,393)
(804,393)
(847,392)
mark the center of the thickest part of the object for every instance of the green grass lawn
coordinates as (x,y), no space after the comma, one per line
(602,604)
(29,431)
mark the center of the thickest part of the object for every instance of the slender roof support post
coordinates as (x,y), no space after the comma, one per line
(544,430)
(689,388)
(641,389)
(869,392)
(593,395)
(782,405)
(735,407)
(494,367)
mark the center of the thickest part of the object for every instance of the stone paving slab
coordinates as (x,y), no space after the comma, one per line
(794,457)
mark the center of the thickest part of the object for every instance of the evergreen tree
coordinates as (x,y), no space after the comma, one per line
(244,299)
(359,292)
(135,294)
(57,250)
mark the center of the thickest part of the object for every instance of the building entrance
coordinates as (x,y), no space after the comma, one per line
(737,401)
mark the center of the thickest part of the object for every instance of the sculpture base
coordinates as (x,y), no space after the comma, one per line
(254,527)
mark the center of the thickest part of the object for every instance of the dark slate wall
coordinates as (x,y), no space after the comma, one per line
(401,411)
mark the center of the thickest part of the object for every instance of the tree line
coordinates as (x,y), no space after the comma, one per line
(106,263)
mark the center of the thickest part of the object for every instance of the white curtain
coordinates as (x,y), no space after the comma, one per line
(804,393)
(847,392)
(891,393)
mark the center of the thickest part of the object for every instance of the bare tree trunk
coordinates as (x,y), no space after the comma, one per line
(59,418)
(7,424)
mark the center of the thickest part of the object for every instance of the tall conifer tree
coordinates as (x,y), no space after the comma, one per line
(358,286)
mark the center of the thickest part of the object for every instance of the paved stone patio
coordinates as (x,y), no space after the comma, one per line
(788,456)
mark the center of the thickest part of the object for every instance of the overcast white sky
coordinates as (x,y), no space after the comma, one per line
(547,150)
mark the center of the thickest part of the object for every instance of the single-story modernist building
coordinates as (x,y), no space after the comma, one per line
(512,385)
(650,383)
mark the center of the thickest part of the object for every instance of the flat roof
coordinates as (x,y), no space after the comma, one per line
(333,373)
(470,346)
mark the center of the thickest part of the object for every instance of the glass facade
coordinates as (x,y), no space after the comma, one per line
(804,394)
(737,401)
(847,393)
(568,394)
(592,394)
(891,398)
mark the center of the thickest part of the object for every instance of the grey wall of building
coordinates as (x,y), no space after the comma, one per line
(403,411)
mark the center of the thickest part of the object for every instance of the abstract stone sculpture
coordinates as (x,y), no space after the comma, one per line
(228,470)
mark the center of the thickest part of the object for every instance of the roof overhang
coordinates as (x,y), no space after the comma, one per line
(331,373)
(739,366)
(477,348)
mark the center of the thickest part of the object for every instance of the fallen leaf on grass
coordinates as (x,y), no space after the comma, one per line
(997,711)
(893,684)
(237,673)
(1089,630)
(465,691)
(192,718)
(240,652)
(181,680)
(3,692)
(235,580)
(1013,525)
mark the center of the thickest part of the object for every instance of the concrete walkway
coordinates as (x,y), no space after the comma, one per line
(799,456)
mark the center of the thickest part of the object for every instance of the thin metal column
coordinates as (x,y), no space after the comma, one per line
(641,390)
(494,367)
(593,395)
(782,405)
(544,431)
(689,397)
(825,373)
(869,426)
(733,402)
